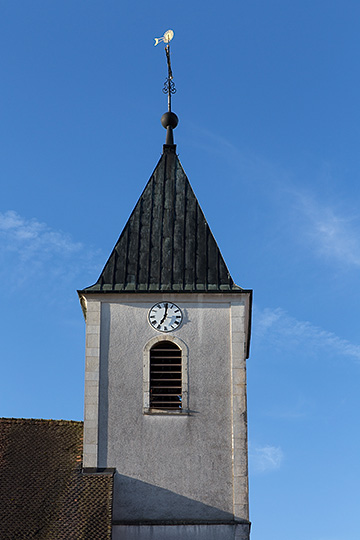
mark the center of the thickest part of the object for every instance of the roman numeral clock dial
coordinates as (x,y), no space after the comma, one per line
(165,316)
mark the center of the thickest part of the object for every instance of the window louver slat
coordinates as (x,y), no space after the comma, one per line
(165,383)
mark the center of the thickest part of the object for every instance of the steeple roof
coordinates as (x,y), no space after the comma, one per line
(167,244)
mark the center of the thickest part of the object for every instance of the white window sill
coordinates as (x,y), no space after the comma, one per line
(180,412)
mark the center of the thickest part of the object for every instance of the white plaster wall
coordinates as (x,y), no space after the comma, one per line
(175,467)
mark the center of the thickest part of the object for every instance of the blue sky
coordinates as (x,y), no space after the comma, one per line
(267,97)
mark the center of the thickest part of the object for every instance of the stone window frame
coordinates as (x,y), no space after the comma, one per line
(184,376)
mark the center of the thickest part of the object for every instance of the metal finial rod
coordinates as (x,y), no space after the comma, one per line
(169,120)
(167,52)
(169,83)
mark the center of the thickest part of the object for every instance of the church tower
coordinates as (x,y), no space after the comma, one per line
(167,338)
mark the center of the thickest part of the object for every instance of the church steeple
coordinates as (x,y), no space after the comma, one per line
(167,244)
(167,337)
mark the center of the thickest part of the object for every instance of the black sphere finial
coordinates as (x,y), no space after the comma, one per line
(169,121)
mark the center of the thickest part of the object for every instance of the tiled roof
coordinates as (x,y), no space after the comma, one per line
(167,244)
(43,492)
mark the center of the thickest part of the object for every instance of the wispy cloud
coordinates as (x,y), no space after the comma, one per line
(332,231)
(243,162)
(30,236)
(334,234)
(30,249)
(277,327)
(328,228)
(265,458)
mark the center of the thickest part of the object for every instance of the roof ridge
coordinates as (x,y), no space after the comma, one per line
(39,420)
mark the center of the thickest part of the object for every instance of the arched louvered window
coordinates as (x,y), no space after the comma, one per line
(165,376)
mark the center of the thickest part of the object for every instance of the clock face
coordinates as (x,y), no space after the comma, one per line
(165,316)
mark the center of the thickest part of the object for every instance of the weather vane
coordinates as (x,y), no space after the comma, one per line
(169,120)
(169,85)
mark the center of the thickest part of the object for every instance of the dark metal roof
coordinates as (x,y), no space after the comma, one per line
(167,244)
(43,491)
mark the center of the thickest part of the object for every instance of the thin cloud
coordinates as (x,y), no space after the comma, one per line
(333,234)
(265,458)
(244,163)
(277,327)
(30,250)
(30,236)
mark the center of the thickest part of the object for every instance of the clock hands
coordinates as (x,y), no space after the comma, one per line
(165,314)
